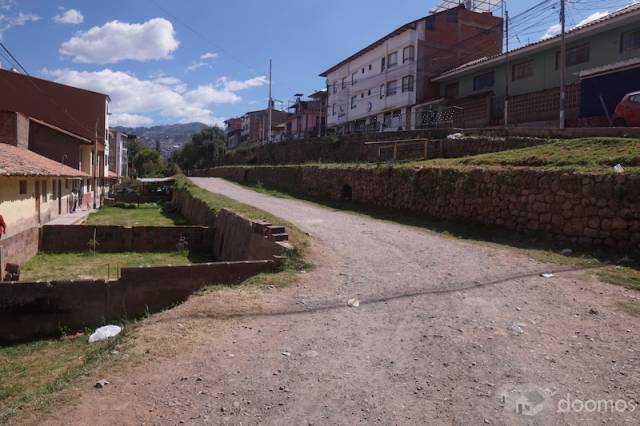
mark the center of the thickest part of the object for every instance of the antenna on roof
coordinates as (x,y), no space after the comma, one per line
(473,5)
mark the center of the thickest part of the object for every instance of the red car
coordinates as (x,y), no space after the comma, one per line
(628,111)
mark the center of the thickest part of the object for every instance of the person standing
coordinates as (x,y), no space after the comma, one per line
(3,227)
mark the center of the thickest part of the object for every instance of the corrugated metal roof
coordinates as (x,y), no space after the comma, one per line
(543,42)
(16,161)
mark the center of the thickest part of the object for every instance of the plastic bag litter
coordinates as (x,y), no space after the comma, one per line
(353,303)
(618,168)
(567,252)
(103,333)
(455,136)
(547,275)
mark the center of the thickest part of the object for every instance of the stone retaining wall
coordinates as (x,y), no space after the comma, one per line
(114,239)
(586,210)
(42,309)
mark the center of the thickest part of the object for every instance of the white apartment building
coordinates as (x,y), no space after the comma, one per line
(379,87)
(376,87)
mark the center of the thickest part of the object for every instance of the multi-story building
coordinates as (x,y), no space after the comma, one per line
(118,154)
(80,112)
(383,86)
(306,118)
(255,125)
(602,62)
(232,132)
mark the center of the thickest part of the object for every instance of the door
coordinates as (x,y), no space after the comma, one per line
(38,201)
(59,197)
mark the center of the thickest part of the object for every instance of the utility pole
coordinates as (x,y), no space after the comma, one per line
(563,63)
(270,106)
(507,70)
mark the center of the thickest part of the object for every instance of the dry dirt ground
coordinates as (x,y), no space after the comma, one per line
(447,332)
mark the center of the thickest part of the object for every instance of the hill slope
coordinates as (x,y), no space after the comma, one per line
(168,138)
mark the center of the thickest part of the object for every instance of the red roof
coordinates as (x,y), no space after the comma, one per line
(16,161)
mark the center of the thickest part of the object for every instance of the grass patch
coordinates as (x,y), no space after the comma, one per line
(46,266)
(31,372)
(621,275)
(131,215)
(217,202)
(583,154)
(631,307)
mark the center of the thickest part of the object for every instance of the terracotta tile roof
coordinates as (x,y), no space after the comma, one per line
(627,10)
(16,161)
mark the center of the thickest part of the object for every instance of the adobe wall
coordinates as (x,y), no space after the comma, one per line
(113,239)
(41,309)
(583,210)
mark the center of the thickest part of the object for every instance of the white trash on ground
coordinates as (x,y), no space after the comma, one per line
(455,136)
(547,275)
(618,168)
(567,252)
(103,333)
(353,303)
(515,329)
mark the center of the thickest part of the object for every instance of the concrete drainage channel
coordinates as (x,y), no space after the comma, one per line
(243,248)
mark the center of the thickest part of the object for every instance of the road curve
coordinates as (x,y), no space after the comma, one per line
(447,332)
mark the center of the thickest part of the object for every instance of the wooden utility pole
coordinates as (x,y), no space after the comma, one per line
(270,105)
(563,64)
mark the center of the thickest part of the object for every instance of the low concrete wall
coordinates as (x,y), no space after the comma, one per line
(113,239)
(41,309)
(235,237)
(583,210)
(19,248)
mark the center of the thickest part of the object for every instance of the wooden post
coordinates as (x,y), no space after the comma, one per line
(426,143)
(395,152)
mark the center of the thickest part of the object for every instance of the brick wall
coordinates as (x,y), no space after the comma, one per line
(18,248)
(54,145)
(582,210)
(14,129)
(113,239)
(41,309)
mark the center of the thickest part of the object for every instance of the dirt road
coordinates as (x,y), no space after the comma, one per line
(447,332)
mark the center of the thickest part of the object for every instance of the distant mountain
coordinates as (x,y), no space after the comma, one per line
(167,138)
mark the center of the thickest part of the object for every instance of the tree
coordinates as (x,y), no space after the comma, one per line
(145,162)
(205,150)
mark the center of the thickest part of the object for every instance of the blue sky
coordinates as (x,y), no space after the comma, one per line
(167,61)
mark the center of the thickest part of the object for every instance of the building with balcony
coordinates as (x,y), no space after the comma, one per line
(385,85)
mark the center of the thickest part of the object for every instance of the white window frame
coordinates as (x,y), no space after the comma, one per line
(391,64)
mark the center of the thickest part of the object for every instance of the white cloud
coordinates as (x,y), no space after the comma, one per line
(129,120)
(71,16)
(208,55)
(235,85)
(11,20)
(133,98)
(118,41)
(196,65)
(555,29)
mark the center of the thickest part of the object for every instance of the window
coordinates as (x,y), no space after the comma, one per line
(430,22)
(522,70)
(408,54)
(53,189)
(382,65)
(392,60)
(575,56)
(353,78)
(392,88)
(629,41)
(23,187)
(451,90)
(335,87)
(344,83)
(362,95)
(381,91)
(353,102)
(66,184)
(369,67)
(362,70)
(369,92)
(452,15)
(44,190)
(333,109)
(483,81)
(407,84)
